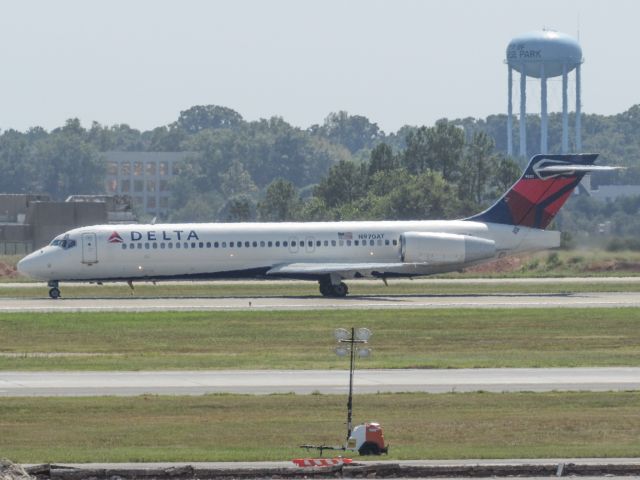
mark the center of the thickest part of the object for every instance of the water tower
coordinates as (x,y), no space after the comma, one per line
(543,54)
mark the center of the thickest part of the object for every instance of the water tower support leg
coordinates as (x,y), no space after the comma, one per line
(565,113)
(523,113)
(510,112)
(544,130)
(578,111)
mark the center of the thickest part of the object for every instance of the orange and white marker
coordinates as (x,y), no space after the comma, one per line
(321,462)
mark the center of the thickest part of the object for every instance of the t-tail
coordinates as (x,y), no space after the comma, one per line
(539,194)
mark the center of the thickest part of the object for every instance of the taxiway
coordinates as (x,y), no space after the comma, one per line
(323,381)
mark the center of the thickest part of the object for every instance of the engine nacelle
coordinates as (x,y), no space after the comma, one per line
(440,248)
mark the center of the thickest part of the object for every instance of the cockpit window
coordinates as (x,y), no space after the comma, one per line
(65,242)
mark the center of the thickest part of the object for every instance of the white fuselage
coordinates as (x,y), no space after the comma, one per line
(213,250)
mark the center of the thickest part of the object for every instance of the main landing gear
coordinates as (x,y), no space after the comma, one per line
(328,289)
(54,291)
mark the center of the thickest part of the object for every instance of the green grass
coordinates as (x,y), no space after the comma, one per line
(235,427)
(303,289)
(439,338)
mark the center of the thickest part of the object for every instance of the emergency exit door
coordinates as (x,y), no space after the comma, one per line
(89,248)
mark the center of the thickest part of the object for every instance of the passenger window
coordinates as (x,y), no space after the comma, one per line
(216,244)
(247,244)
(269,243)
(333,243)
(318,243)
(208,244)
(224,244)
(285,243)
(278,243)
(162,245)
(255,244)
(386,242)
(379,242)
(395,242)
(132,246)
(262,244)
(201,245)
(139,246)
(155,245)
(231,244)
(146,245)
(326,243)
(124,246)
(348,243)
(356,242)
(177,244)
(371,242)
(193,245)
(341,243)
(170,245)
(185,245)
(239,244)
(293,243)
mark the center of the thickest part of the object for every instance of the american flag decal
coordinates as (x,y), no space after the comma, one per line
(345,236)
(115,238)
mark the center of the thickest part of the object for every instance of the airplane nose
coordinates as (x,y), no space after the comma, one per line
(32,265)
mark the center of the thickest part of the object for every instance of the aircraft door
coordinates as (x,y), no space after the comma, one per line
(89,248)
(310,245)
(293,244)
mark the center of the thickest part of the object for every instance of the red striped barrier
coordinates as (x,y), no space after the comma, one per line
(321,462)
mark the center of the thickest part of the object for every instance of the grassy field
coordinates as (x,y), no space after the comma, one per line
(304,289)
(442,338)
(233,427)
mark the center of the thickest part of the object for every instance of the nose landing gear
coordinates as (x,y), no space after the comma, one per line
(54,291)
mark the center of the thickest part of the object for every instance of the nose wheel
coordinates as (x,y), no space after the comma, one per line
(54,291)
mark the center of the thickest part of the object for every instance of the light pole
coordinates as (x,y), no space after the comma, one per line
(350,342)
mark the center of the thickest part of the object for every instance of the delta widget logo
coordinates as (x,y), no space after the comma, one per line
(115,238)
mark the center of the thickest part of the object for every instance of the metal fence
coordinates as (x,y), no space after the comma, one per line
(15,248)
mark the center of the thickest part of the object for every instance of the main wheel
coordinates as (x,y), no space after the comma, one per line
(340,290)
(54,293)
(325,289)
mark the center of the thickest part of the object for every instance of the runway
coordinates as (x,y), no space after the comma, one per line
(261,382)
(560,300)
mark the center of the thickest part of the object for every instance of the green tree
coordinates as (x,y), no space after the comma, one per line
(382,159)
(203,117)
(353,131)
(67,164)
(344,184)
(281,202)
(237,180)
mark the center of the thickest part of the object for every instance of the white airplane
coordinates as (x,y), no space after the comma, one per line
(327,252)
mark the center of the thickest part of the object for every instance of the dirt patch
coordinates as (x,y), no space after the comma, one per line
(8,271)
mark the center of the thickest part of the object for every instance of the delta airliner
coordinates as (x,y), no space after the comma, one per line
(326,252)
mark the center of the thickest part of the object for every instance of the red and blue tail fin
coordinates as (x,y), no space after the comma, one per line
(545,185)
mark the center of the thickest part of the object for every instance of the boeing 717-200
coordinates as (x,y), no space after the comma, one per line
(327,252)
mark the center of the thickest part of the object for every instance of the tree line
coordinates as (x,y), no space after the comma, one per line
(344,168)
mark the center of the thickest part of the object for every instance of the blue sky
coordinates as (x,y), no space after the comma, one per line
(397,62)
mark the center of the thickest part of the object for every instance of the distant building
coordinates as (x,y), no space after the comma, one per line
(29,222)
(611,192)
(144,176)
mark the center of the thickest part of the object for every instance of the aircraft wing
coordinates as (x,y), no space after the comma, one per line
(328,268)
